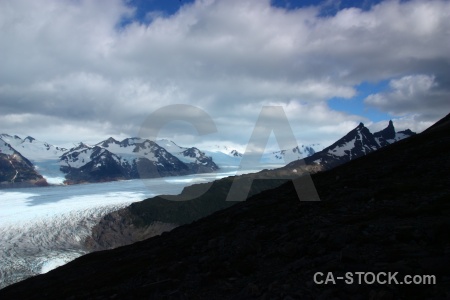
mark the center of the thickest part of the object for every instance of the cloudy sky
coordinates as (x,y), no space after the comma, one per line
(84,70)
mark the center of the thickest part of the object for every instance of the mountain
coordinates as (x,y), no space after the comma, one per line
(235,153)
(136,157)
(105,161)
(392,219)
(197,160)
(90,164)
(33,149)
(42,155)
(388,135)
(358,142)
(287,156)
(226,157)
(129,159)
(15,169)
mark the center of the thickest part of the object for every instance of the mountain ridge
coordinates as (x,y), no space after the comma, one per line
(140,158)
(356,143)
(15,169)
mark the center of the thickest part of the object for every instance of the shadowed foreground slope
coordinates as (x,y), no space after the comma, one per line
(386,212)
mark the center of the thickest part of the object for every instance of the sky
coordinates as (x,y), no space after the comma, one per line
(85,70)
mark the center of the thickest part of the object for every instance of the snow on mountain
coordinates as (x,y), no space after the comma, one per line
(221,148)
(358,142)
(225,156)
(14,167)
(33,149)
(132,148)
(400,135)
(137,157)
(91,164)
(42,155)
(81,155)
(388,135)
(132,158)
(6,148)
(224,160)
(235,153)
(193,156)
(287,156)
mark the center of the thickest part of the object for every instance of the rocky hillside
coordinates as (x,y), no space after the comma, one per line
(16,170)
(384,212)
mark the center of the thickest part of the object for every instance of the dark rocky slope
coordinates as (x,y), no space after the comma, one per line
(16,170)
(153,216)
(386,212)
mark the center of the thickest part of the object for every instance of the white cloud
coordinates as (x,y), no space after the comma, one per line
(71,63)
(419,95)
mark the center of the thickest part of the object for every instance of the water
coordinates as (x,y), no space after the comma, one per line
(43,228)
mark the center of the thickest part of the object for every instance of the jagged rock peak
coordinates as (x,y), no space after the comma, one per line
(192,152)
(407,132)
(388,133)
(235,153)
(108,141)
(80,145)
(111,140)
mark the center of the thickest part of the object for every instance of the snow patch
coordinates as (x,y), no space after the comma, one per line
(340,150)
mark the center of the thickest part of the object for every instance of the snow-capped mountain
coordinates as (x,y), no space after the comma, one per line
(33,149)
(287,156)
(388,135)
(235,153)
(226,156)
(105,161)
(358,142)
(196,159)
(42,155)
(90,164)
(222,148)
(132,158)
(142,158)
(15,168)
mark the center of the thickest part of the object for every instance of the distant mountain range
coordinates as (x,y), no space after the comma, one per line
(106,161)
(29,161)
(229,156)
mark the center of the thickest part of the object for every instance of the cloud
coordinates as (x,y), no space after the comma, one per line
(75,63)
(418,95)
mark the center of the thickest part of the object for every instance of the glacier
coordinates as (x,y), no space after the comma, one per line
(43,228)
